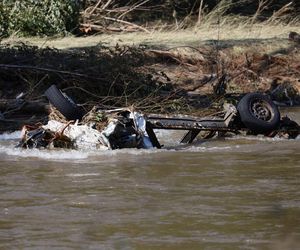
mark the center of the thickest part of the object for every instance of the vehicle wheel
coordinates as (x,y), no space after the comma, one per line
(258,113)
(64,104)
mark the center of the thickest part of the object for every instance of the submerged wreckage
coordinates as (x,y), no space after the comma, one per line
(126,128)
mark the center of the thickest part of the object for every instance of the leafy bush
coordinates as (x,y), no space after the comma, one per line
(3,21)
(32,17)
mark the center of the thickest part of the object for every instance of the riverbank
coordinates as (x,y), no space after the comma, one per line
(169,72)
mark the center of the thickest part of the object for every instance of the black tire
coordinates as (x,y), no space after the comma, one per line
(258,113)
(64,104)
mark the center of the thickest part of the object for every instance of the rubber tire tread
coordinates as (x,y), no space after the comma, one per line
(70,110)
(253,123)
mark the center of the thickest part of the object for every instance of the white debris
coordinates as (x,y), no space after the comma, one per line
(82,135)
(140,123)
(110,129)
(125,131)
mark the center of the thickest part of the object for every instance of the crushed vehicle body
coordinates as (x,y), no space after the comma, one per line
(117,128)
(127,128)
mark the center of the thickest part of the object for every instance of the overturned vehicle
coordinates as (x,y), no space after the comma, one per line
(127,128)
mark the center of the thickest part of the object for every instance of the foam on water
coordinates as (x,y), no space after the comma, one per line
(212,149)
(10,136)
(68,154)
(9,140)
(261,138)
(9,150)
(169,138)
(61,154)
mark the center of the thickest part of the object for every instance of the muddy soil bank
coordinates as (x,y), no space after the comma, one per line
(185,79)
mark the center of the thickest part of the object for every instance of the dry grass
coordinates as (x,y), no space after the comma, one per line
(237,35)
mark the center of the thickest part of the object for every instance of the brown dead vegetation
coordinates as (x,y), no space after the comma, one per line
(253,70)
(115,16)
(182,79)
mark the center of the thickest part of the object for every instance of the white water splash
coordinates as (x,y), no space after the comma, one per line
(171,140)
(261,138)
(10,136)
(44,153)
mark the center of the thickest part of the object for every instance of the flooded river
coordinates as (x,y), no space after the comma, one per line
(233,193)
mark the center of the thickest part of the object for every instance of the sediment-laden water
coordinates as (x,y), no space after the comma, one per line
(233,193)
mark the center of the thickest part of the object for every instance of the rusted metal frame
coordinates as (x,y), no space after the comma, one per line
(186,124)
(190,136)
(192,125)
(152,135)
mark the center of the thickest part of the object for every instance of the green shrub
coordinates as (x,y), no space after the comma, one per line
(3,21)
(32,17)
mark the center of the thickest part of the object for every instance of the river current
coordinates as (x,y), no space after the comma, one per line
(232,193)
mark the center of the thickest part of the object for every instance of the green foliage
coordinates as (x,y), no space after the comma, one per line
(3,21)
(32,17)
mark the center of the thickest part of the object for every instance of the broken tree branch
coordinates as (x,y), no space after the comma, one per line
(280,12)
(128,23)
(133,8)
(200,13)
(95,7)
(107,4)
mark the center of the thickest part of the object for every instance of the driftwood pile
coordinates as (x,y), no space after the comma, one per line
(108,16)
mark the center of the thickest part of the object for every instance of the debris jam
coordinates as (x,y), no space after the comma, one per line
(112,129)
(127,128)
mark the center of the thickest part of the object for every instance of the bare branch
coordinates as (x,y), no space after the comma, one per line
(95,7)
(262,4)
(133,8)
(128,23)
(280,12)
(107,4)
(200,12)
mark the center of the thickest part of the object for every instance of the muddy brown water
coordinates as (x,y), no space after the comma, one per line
(233,193)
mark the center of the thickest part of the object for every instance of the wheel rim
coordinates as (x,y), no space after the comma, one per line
(262,110)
